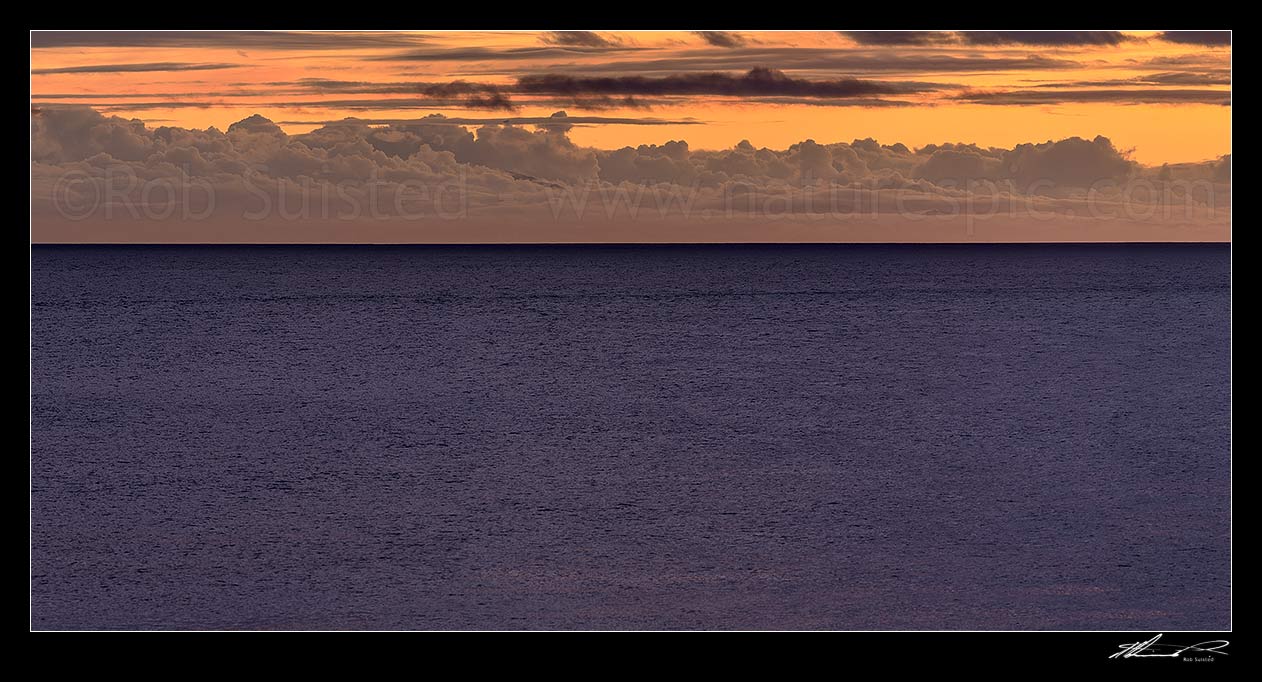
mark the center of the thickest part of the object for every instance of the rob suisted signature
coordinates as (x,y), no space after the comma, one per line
(1152,649)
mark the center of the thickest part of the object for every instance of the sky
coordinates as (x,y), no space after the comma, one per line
(538,136)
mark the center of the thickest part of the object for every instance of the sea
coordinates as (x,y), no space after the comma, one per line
(687,437)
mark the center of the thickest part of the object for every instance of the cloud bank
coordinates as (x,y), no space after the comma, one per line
(415,179)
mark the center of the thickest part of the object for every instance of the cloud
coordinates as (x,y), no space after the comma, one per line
(256,124)
(900,37)
(758,81)
(258,40)
(721,38)
(1197,60)
(1221,169)
(1217,171)
(1202,38)
(950,163)
(1072,162)
(489,100)
(547,153)
(486,54)
(434,89)
(511,120)
(1044,38)
(822,59)
(579,39)
(1040,38)
(134,68)
(1129,96)
(603,102)
(558,122)
(669,163)
(76,133)
(1188,78)
(871,102)
(469,94)
(1220,77)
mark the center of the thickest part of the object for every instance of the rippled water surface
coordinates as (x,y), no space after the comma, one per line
(849,437)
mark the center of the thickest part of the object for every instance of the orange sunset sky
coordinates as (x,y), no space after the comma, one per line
(1157,97)
(206,83)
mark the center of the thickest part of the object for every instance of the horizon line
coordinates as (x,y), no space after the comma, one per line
(493,244)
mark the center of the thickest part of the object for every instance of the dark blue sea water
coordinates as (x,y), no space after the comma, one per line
(846,437)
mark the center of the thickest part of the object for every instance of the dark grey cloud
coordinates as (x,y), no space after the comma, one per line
(900,37)
(756,82)
(1204,38)
(257,40)
(1043,38)
(721,38)
(134,68)
(1136,96)
(579,39)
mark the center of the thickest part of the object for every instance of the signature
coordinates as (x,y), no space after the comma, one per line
(1152,649)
